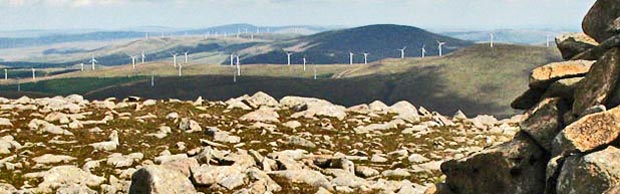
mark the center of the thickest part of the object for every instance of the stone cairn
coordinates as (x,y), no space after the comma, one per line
(568,141)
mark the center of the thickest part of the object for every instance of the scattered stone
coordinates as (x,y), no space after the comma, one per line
(158,179)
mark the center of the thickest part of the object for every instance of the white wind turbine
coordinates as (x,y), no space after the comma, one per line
(186,58)
(180,70)
(366,58)
(174,59)
(81,66)
(152,79)
(440,47)
(34,77)
(402,52)
(93,62)
(288,57)
(423,51)
(6,74)
(133,62)
(143,57)
(238,66)
(305,61)
(548,40)
(351,58)
(314,68)
(232,60)
(492,36)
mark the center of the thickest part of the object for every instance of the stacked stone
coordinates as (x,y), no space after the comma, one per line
(568,141)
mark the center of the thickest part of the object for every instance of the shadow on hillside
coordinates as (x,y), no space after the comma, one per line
(424,89)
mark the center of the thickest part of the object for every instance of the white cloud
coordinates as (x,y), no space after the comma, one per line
(71,3)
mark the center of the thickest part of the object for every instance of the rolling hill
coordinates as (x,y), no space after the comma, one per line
(380,41)
(513,36)
(475,79)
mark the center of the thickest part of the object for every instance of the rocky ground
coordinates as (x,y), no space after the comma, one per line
(251,144)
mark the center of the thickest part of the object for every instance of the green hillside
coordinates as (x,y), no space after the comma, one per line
(477,80)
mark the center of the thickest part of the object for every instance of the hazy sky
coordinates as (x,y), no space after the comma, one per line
(434,14)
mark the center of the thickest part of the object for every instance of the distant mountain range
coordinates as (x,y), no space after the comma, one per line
(28,38)
(514,36)
(330,47)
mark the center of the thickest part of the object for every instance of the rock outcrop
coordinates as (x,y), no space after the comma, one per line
(568,142)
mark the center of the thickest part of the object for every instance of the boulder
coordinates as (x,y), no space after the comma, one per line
(541,77)
(564,88)
(588,133)
(597,87)
(593,173)
(515,167)
(189,126)
(262,115)
(261,99)
(599,22)
(405,111)
(572,44)
(307,177)
(544,121)
(158,179)
(64,175)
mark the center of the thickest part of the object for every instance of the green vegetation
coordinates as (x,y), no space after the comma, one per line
(477,80)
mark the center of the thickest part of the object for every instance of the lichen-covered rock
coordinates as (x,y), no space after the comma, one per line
(572,44)
(544,121)
(515,167)
(600,22)
(593,173)
(597,87)
(159,180)
(64,175)
(588,133)
(544,75)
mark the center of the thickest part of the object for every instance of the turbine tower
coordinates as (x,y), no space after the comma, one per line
(305,61)
(351,58)
(366,58)
(6,74)
(174,59)
(440,47)
(133,62)
(152,79)
(186,59)
(93,62)
(548,40)
(232,59)
(288,57)
(180,70)
(402,52)
(492,36)
(423,51)
(143,57)
(238,66)
(34,77)
(314,68)
(81,66)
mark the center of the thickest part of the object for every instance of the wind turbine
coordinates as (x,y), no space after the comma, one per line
(288,57)
(143,57)
(492,38)
(146,36)
(440,47)
(314,68)
(305,61)
(174,59)
(180,70)
(548,40)
(19,85)
(351,58)
(238,66)
(186,59)
(152,79)
(366,58)
(402,52)
(423,51)
(93,62)
(6,74)
(81,66)
(34,77)
(232,59)
(133,62)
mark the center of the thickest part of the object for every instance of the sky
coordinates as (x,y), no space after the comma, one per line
(430,14)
